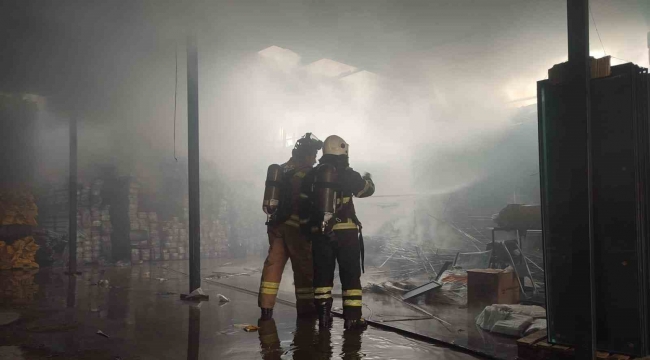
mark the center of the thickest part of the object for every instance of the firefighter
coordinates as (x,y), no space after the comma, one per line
(337,237)
(285,239)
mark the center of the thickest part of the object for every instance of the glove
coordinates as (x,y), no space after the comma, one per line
(367,176)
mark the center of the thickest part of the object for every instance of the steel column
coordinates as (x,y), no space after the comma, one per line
(582,247)
(72,199)
(193,162)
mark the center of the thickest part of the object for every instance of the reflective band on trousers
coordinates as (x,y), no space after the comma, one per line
(270,285)
(269,291)
(304,290)
(345,226)
(352,303)
(269,288)
(304,296)
(300,174)
(322,290)
(355,292)
(323,296)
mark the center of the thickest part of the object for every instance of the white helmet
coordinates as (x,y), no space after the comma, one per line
(334,145)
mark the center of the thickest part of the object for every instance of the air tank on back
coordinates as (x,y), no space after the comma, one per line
(326,190)
(272,191)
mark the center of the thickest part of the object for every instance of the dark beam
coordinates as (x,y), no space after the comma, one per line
(72,199)
(193,162)
(582,247)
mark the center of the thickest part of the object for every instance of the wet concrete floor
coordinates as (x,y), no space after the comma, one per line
(138,314)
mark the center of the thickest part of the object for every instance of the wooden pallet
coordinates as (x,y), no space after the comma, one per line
(535,347)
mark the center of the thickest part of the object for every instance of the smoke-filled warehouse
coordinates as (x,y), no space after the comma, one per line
(324,179)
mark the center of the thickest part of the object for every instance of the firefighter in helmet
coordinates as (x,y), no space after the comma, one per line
(335,233)
(285,239)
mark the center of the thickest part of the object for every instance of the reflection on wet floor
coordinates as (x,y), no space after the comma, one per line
(142,316)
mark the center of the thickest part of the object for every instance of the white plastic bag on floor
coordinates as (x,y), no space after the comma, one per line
(514,325)
(490,316)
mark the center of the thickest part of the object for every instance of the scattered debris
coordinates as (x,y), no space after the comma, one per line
(101,333)
(161,279)
(121,263)
(222,299)
(420,290)
(103,283)
(251,328)
(196,295)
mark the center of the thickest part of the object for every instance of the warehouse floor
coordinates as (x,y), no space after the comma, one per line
(138,315)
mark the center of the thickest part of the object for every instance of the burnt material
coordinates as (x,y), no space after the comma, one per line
(619,156)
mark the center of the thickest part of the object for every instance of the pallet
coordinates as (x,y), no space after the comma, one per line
(535,347)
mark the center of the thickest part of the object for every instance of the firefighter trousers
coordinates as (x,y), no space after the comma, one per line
(342,246)
(287,242)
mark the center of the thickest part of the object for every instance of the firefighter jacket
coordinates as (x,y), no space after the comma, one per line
(351,184)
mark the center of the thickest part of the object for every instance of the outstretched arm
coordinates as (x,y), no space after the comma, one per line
(361,186)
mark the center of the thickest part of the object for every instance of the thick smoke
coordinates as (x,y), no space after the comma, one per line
(423,93)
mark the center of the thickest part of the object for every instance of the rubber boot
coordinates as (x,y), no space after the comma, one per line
(324,310)
(267,314)
(360,324)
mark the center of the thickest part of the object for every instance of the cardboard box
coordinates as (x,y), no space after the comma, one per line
(491,286)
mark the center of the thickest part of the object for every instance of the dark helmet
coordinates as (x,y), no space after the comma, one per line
(307,145)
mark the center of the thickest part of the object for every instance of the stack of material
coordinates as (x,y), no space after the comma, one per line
(214,242)
(176,240)
(84,225)
(154,236)
(18,287)
(106,231)
(18,207)
(139,225)
(96,220)
(143,221)
(53,210)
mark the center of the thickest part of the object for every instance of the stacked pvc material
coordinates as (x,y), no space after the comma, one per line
(138,225)
(175,240)
(84,225)
(53,214)
(17,207)
(154,236)
(214,242)
(106,231)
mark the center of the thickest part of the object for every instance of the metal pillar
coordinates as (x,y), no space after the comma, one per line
(582,247)
(72,200)
(193,162)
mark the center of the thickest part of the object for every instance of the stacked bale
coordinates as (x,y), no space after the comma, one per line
(138,224)
(17,207)
(214,242)
(176,240)
(106,231)
(84,225)
(53,209)
(154,236)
